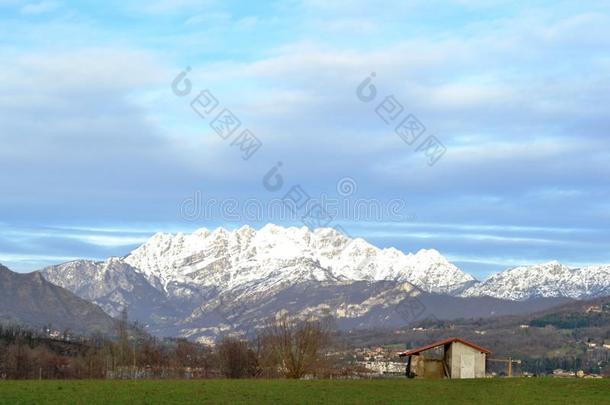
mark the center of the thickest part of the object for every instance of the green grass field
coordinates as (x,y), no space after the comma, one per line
(490,391)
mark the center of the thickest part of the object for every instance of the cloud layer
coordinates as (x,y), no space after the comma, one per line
(93,137)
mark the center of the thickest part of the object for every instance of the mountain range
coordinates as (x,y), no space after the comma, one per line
(550,279)
(208,283)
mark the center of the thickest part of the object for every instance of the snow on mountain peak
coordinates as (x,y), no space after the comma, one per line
(202,232)
(185,284)
(550,279)
(226,259)
(274,255)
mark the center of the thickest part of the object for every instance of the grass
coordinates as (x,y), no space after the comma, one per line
(488,391)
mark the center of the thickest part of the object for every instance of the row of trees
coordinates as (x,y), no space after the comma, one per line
(286,347)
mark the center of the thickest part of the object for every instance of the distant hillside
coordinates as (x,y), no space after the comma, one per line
(569,336)
(576,315)
(30,300)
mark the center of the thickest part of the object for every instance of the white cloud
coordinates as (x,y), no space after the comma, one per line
(519,100)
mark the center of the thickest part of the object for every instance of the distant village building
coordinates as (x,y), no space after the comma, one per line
(449,358)
(568,374)
(594,309)
(384,367)
(55,334)
(563,373)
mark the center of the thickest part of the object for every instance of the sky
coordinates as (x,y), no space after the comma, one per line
(103,143)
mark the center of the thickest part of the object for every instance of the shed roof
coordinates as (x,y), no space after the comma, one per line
(442,343)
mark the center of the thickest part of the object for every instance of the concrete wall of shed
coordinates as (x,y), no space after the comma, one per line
(454,360)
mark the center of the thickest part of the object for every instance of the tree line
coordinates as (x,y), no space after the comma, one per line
(285,347)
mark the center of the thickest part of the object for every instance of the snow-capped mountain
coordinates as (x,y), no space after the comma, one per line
(207,283)
(112,284)
(550,279)
(227,260)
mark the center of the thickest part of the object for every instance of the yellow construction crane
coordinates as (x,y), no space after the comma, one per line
(509,364)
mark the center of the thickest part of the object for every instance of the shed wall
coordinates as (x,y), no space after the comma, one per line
(454,359)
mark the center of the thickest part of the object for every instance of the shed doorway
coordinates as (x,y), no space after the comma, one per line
(467,365)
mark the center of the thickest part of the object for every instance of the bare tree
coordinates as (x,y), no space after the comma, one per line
(123,338)
(295,345)
(236,359)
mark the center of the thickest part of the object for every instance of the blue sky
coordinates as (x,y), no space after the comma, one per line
(98,152)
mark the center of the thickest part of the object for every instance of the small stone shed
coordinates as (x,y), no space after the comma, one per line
(449,358)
